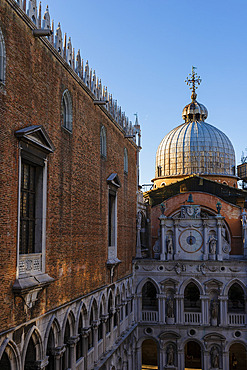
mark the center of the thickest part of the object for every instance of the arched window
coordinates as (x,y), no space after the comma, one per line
(100,327)
(66,362)
(149,297)
(50,351)
(192,301)
(125,161)
(2,59)
(236,299)
(67,110)
(4,362)
(91,333)
(103,142)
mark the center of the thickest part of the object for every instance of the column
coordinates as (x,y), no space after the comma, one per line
(72,349)
(161,307)
(181,359)
(225,360)
(205,238)
(104,319)
(58,353)
(84,333)
(95,325)
(223,311)
(219,238)
(176,256)
(139,358)
(206,310)
(162,219)
(179,309)
(206,360)
(204,301)
(138,241)
(138,308)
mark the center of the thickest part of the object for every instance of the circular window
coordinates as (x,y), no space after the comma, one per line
(161,268)
(137,267)
(237,334)
(149,331)
(192,332)
(222,268)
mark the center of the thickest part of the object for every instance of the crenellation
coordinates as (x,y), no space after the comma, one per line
(78,64)
(32,11)
(68,53)
(58,39)
(75,61)
(39,16)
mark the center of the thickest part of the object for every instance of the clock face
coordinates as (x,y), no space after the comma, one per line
(191,240)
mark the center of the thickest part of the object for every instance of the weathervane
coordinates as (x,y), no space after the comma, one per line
(192,80)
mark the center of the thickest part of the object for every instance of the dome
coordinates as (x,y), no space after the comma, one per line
(195,147)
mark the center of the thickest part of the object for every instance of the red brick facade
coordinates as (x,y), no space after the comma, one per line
(77,189)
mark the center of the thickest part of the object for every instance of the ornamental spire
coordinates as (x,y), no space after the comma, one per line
(193,80)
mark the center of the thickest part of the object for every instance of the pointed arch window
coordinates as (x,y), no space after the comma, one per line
(125,161)
(2,59)
(67,110)
(103,142)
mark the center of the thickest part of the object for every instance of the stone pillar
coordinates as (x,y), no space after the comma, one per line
(206,361)
(223,311)
(58,354)
(95,325)
(225,360)
(181,359)
(104,319)
(41,365)
(85,334)
(138,307)
(139,358)
(205,240)
(207,308)
(161,307)
(176,224)
(162,219)
(138,241)
(204,301)
(219,238)
(72,349)
(179,309)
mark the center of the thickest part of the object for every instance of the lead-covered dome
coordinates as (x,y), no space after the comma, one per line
(195,147)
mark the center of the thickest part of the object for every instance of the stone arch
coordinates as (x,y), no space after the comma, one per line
(144,281)
(93,307)
(70,317)
(10,348)
(234,281)
(82,311)
(234,341)
(67,110)
(237,353)
(55,326)
(187,282)
(187,355)
(102,301)
(150,354)
(34,335)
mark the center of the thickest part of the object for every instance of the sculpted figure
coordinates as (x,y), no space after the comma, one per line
(212,245)
(214,309)
(169,244)
(170,355)
(215,357)
(170,308)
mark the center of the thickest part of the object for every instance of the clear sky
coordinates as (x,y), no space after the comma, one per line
(144,49)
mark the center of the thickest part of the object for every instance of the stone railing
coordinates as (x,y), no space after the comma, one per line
(236,319)
(30,263)
(150,316)
(192,318)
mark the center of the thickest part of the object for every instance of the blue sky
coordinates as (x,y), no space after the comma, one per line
(144,49)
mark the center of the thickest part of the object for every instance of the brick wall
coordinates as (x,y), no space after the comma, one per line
(77,210)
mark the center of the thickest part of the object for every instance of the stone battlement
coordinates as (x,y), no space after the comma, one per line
(63,46)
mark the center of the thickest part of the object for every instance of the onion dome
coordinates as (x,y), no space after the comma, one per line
(195,147)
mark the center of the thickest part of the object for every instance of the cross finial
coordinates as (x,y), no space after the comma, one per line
(192,80)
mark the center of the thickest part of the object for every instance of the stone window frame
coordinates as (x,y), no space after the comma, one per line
(67,111)
(103,146)
(34,148)
(2,60)
(112,224)
(126,161)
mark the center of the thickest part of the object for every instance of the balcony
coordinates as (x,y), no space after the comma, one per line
(150,316)
(191,318)
(236,319)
